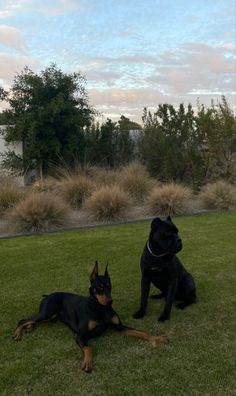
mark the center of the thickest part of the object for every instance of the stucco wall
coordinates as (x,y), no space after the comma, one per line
(17,147)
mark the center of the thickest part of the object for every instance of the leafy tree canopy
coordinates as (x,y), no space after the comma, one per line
(48,112)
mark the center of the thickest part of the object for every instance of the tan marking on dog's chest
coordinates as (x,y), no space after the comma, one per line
(115,320)
(92,324)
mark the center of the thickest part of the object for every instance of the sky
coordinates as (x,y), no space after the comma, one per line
(133,53)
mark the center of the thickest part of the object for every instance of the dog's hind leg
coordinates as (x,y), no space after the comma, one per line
(187,292)
(190,299)
(25,324)
(46,313)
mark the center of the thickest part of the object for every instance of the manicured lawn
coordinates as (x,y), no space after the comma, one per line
(200,357)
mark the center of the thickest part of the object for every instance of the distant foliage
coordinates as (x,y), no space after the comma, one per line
(218,195)
(169,199)
(50,113)
(178,144)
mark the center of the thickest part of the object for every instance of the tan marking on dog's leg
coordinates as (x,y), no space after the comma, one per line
(18,332)
(137,333)
(159,340)
(87,363)
(145,336)
(29,328)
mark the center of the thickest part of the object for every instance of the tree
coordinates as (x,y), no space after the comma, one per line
(128,133)
(171,144)
(218,126)
(48,113)
(106,153)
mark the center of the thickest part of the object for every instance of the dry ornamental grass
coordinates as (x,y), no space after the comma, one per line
(39,212)
(76,189)
(135,180)
(108,203)
(10,194)
(219,195)
(169,199)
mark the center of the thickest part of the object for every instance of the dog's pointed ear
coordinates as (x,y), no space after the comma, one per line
(169,218)
(94,272)
(155,223)
(106,271)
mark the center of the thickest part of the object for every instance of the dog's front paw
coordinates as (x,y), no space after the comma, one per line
(139,314)
(159,340)
(163,317)
(87,365)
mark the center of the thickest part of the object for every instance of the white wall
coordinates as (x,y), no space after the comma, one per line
(17,147)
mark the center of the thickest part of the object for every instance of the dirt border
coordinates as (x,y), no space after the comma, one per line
(9,235)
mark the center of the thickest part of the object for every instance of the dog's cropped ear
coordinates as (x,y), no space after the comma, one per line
(94,273)
(106,271)
(155,223)
(169,219)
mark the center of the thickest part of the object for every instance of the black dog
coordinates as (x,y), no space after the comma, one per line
(88,317)
(160,266)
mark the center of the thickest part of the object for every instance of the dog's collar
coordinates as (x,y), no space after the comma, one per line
(153,254)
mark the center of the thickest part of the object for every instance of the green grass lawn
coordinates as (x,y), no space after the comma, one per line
(200,357)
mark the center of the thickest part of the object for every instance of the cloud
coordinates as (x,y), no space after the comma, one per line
(125,97)
(57,7)
(12,64)
(195,66)
(11,37)
(11,7)
(52,7)
(107,78)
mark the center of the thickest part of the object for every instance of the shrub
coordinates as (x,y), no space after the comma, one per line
(103,176)
(108,203)
(10,194)
(218,195)
(39,212)
(135,180)
(169,199)
(76,189)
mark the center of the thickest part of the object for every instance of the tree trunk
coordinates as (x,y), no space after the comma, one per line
(41,175)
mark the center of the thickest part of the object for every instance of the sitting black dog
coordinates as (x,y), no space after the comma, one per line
(161,267)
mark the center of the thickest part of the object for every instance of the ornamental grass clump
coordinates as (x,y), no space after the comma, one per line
(10,194)
(39,212)
(108,203)
(136,181)
(103,176)
(169,199)
(75,190)
(218,195)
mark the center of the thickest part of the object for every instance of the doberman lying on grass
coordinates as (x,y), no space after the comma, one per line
(88,317)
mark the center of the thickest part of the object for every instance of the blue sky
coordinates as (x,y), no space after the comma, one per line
(133,53)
